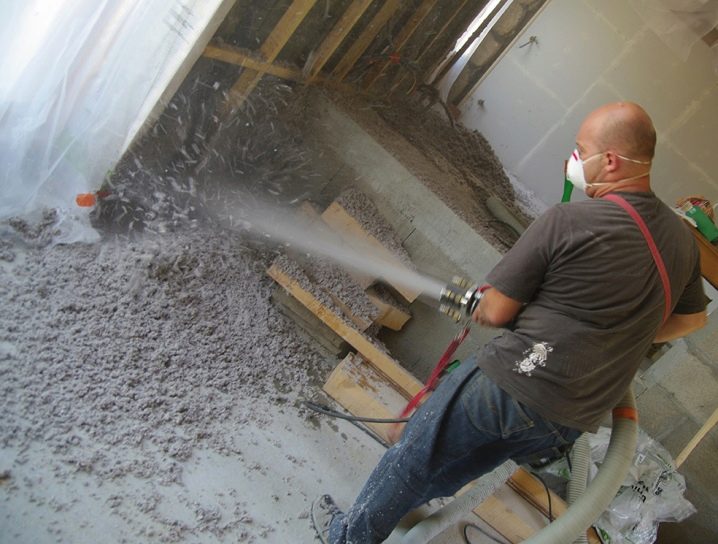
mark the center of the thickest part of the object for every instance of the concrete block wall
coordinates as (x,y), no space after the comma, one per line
(590,52)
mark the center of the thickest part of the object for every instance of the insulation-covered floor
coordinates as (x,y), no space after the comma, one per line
(150,392)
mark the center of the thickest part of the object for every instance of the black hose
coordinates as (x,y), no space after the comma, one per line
(326,410)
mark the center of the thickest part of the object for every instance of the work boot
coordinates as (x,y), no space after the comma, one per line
(323,511)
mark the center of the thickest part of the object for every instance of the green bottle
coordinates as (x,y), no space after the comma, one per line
(703,222)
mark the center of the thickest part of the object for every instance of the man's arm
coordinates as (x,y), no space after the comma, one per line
(496,309)
(679,325)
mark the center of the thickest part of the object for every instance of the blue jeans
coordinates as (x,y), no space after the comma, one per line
(466,428)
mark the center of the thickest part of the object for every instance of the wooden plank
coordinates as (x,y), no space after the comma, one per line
(448,64)
(245,59)
(271,48)
(503,519)
(342,222)
(707,426)
(365,38)
(429,47)
(309,323)
(392,315)
(336,36)
(533,491)
(403,37)
(381,360)
(364,392)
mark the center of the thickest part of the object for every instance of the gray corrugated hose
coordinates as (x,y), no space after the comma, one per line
(461,507)
(581,514)
(580,463)
(603,488)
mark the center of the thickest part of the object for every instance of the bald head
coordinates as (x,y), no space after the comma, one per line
(624,127)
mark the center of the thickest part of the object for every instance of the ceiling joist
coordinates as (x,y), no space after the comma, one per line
(365,39)
(404,36)
(270,49)
(343,26)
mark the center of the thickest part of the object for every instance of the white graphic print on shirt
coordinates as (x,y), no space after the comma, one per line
(533,357)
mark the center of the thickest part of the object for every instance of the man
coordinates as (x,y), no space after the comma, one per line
(583,299)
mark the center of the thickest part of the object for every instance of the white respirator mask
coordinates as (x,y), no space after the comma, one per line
(575,173)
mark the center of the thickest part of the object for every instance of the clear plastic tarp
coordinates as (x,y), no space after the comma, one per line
(80,77)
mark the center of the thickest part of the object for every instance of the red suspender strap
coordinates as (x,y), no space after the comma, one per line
(651,245)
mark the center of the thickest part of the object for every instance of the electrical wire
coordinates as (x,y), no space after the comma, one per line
(485,533)
(326,410)
(548,495)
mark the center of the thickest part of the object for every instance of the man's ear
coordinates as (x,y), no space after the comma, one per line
(612,161)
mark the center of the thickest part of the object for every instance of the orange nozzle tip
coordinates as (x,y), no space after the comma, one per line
(86,200)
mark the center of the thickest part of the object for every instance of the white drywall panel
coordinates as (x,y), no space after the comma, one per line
(590,52)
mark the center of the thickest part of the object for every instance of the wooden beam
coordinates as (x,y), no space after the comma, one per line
(336,36)
(503,519)
(403,37)
(365,38)
(391,314)
(381,360)
(533,491)
(271,48)
(243,58)
(458,54)
(707,426)
(363,392)
(428,47)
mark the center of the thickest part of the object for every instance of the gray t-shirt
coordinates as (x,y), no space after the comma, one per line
(594,302)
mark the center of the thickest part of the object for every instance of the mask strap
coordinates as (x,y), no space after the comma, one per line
(633,160)
(624,180)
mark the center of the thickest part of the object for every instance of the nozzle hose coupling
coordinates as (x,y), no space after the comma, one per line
(459,298)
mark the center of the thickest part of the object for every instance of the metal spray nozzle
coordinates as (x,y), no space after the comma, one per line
(459,298)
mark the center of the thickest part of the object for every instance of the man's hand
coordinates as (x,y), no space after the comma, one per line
(496,309)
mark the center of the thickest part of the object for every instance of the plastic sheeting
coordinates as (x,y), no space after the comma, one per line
(680,24)
(79,79)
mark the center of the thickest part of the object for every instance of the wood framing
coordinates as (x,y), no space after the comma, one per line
(365,38)
(336,36)
(499,515)
(534,492)
(243,58)
(428,47)
(381,360)
(406,33)
(271,48)
(363,392)
(711,422)
(391,315)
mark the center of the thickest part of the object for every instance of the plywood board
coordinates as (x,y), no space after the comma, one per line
(362,391)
